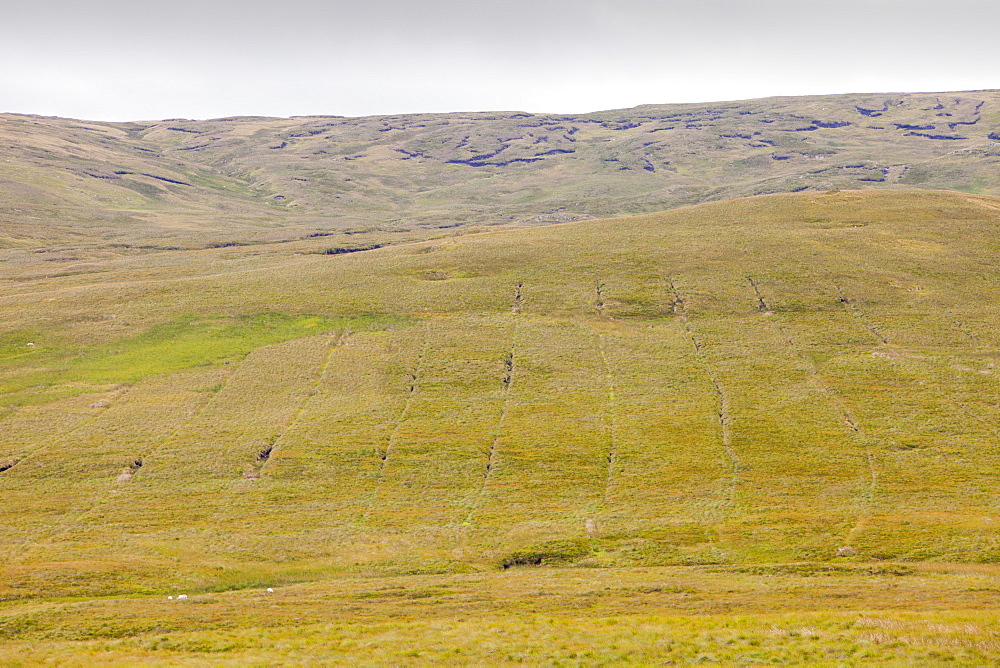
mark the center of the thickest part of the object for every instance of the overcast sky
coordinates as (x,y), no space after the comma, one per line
(134,59)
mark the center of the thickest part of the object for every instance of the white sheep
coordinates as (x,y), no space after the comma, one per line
(182,596)
(270,591)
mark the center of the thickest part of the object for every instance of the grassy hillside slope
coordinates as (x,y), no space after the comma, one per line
(184,183)
(754,381)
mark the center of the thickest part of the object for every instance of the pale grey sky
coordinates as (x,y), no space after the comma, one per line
(129,60)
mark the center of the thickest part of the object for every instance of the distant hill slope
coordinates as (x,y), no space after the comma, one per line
(246,178)
(797,377)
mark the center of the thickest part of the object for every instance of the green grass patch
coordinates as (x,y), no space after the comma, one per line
(38,374)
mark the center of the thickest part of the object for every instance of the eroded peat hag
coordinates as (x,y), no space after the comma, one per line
(609,411)
(518,302)
(129,471)
(610,415)
(866,498)
(263,459)
(413,378)
(860,315)
(723,411)
(509,369)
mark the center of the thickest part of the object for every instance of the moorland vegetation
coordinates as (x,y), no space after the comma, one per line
(747,431)
(195,183)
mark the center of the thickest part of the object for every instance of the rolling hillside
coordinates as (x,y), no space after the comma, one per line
(182,183)
(425,379)
(748,431)
(784,378)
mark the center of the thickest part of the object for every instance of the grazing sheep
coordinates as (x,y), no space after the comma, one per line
(182,596)
(270,591)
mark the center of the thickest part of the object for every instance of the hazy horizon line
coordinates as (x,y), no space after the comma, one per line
(500,111)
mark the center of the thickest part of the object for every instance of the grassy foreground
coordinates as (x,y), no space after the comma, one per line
(653,616)
(772,418)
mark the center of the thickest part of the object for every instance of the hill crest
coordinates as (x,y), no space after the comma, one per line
(270,178)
